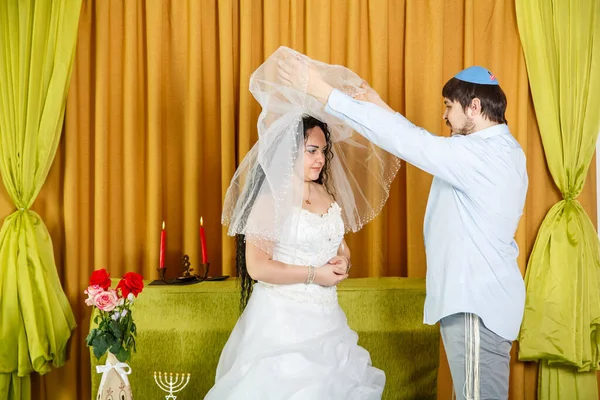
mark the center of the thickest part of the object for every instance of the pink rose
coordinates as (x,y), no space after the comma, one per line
(106,300)
(92,291)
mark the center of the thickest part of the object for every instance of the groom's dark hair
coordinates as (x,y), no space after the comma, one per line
(492,97)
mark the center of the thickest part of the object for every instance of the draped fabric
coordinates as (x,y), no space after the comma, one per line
(561,325)
(37,44)
(159,115)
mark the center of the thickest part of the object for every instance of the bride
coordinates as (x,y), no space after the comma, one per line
(306,182)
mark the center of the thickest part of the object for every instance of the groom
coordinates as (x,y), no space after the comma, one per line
(474,286)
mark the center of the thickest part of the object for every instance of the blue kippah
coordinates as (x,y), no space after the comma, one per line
(477,75)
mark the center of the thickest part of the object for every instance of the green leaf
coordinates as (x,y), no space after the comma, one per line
(123,355)
(96,319)
(133,340)
(111,340)
(100,345)
(90,338)
(115,328)
(116,347)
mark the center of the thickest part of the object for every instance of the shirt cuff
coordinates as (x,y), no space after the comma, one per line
(335,102)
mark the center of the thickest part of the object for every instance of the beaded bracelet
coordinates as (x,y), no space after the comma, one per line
(349,264)
(311,275)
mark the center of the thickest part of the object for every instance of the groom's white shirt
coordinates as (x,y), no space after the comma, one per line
(475,203)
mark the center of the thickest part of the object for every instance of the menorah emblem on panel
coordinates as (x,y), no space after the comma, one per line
(171,383)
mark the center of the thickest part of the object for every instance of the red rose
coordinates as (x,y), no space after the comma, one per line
(101,278)
(131,283)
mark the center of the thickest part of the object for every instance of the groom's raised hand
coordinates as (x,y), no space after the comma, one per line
(297,73)
(369,94)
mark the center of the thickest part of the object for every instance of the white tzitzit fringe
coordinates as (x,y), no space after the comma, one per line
(471,388)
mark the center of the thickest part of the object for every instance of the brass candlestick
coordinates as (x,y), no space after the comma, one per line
(187,272)
(161,273)
(186,268)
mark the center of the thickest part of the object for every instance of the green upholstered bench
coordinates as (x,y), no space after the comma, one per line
(184,328)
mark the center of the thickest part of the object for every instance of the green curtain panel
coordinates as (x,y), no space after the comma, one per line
(561,42)
(37,44)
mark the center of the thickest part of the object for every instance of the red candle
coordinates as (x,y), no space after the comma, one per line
(163,245)
(203,243)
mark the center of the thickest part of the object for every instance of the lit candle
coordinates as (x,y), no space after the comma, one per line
(163,245)
(203,242)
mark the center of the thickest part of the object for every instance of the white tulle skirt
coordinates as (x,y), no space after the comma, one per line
(283,348)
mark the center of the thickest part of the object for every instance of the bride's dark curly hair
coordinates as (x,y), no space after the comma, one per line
(258,177)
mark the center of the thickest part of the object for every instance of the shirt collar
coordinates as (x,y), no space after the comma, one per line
(491,131)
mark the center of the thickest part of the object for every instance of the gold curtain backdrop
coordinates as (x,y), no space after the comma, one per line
(159,115)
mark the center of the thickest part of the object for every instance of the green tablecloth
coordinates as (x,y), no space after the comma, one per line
(184,328)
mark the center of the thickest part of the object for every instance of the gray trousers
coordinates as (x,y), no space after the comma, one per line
(476,355)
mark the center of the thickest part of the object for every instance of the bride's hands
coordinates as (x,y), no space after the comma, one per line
(327,275)
(341,264)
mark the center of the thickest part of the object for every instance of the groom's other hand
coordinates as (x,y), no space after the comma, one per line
(369,94)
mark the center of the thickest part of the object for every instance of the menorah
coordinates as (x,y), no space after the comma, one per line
(171,384)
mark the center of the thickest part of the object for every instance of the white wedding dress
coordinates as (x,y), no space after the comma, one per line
(293,342)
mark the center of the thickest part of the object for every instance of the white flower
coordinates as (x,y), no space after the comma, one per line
(115,315)
(123,313)
(121,301)
(130,297)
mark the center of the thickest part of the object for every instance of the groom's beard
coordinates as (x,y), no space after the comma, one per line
(464,130)
(452,131)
